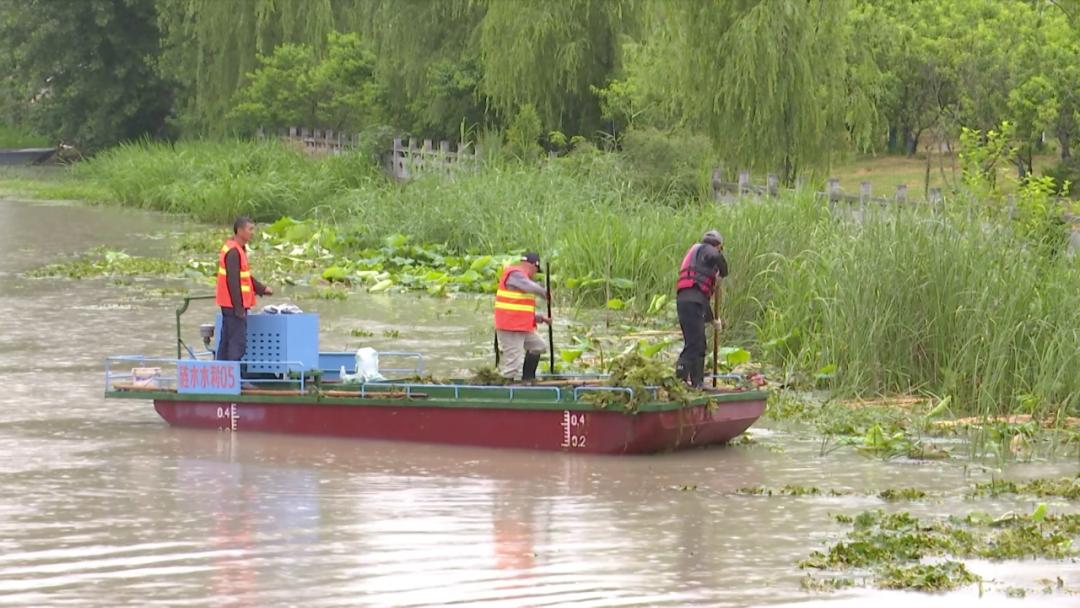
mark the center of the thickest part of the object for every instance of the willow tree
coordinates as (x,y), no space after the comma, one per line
(1071,8)
(209,46)
(551,55)
(482,60)
(772,81)
(426,59)
(424,53)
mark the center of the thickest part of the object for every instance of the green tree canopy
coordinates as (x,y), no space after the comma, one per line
(771,81)
(776,85)
(209,46)
(85,71)
(551,55)
(292,87)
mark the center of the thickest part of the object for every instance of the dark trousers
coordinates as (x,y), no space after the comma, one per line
(691,365)
(233,341)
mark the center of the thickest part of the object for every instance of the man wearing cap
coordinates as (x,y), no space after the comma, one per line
(520,347)
(702,268)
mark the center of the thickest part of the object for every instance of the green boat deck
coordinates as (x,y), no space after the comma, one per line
(448,396)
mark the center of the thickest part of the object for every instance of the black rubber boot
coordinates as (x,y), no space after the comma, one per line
(697,374)
(528,371)
(681,372)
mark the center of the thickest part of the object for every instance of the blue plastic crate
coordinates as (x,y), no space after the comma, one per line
(279,338)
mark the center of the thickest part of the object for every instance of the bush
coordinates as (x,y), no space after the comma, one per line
(20,137)
(214,180)
(675,164)
(1064,174)
(523,134)
(294,87)
(375,142)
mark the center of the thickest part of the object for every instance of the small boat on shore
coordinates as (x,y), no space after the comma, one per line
(299,390)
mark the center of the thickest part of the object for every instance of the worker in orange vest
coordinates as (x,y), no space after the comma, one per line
(236,290)
(516,316)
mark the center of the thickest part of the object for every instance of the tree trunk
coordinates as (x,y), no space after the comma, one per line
(789,171)
(893,144)
(1023,161)
(1066,124)
(911,141)
(926,177)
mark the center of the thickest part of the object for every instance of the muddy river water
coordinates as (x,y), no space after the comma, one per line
(102,504)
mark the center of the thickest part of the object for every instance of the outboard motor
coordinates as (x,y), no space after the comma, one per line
(206,330)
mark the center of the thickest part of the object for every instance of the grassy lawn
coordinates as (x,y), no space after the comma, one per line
(18,137)
(886,172)
(48,182)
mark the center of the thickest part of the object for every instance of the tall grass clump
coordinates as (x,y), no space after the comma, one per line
(905,301)
(594,223)
(218,180)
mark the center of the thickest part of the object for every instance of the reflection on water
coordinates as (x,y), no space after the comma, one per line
(104,505)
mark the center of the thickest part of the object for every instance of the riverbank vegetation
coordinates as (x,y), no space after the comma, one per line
(898,550)
(961,302)
(894,550)
(20,137)
(943,545)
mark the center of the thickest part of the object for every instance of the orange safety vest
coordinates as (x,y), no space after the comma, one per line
(247,286)
(514,310)
(691,273)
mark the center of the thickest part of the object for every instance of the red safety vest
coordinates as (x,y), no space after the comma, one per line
(247,286)
(514,310)
(691,273)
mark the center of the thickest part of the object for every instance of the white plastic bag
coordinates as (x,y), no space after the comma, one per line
(281,309)
(367,367)
(146,377)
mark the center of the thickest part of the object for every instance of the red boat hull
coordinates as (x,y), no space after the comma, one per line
(601,432)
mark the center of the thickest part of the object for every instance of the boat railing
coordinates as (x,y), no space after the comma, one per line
(590,376)
(653,390)
(159,373)
(606,389)
(153,373)
(330,363)
(456,389)
(416,370)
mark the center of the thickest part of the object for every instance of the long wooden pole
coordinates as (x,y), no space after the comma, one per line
(551,321)
(715,336)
